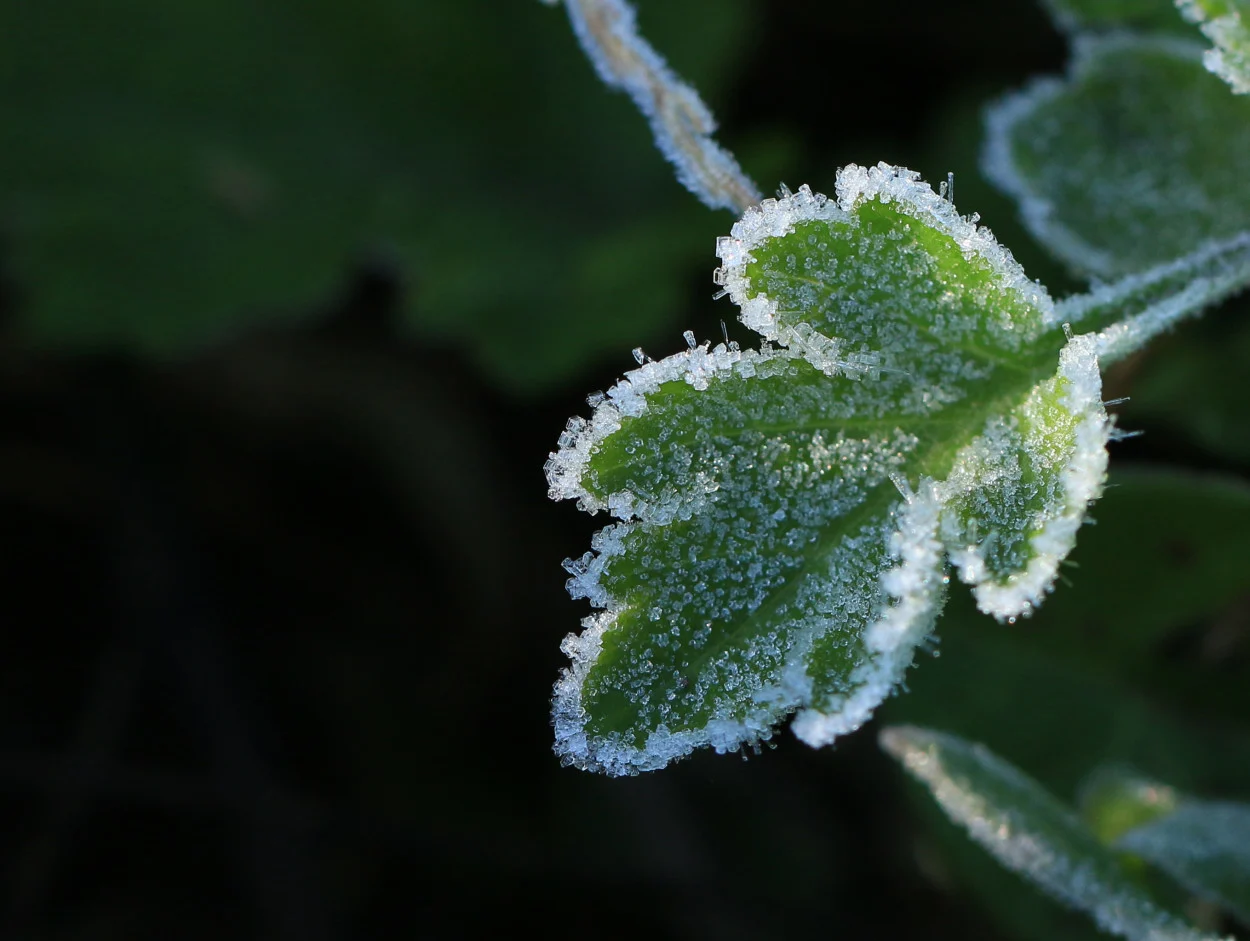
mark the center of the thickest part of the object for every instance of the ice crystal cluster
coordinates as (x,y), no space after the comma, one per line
(1227,24)
(787,517)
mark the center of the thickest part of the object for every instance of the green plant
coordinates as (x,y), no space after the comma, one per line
(788,517)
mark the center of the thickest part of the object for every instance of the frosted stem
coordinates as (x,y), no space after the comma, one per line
(681,122)
(1128,313)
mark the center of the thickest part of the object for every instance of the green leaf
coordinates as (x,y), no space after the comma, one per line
(1134,159)
(173,173)
(786,514)
(1227,24)
(1027,830)
(1205,846)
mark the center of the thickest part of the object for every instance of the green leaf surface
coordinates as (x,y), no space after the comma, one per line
(1137,157)
(786,514)
(1029,831)
(1227,24)
(1204,845)
(174,173)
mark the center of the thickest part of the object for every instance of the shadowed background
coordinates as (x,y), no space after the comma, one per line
(294,301)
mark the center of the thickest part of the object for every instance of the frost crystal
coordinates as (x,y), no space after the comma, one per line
(1227,24)
(786,516)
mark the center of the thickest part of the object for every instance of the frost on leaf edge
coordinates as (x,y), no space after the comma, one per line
(567,466)
(1083,475)
(914,589)
(775,218)
(1035,207)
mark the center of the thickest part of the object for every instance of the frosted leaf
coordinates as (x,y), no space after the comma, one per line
(681,122)
(1134,159)
(1204,845)
(785,515)
(1227,24)
(1030,832)
(1032,477)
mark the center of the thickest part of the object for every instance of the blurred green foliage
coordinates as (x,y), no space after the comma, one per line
(173,173)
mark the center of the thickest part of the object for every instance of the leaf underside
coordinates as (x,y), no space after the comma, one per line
(786,516)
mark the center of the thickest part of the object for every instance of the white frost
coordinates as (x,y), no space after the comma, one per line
(680,121)
(1161,296)
(1080,479)
(774,218)
(915,587)
(566,467)
(1230,59)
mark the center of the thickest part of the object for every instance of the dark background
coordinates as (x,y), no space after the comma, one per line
(294,301)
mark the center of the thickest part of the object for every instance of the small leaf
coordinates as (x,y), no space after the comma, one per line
(786,514)
(1134,159)
(1227,24)
(1027,830)
(1205,846)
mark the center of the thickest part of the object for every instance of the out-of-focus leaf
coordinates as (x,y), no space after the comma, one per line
(1114,799)
(170,173)
(1137,157)
(1204,845)
(1027,830)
